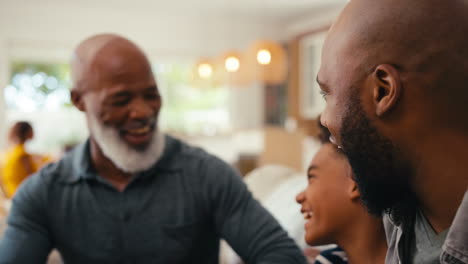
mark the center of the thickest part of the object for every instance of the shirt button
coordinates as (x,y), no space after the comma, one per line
(125,217)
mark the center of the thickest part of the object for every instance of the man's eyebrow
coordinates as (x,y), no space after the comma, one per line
(119,94)
(152,87)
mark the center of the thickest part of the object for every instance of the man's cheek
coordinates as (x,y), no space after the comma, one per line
(104,118)
(110,116)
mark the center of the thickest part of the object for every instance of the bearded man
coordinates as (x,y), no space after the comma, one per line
(394,74)
(131,194)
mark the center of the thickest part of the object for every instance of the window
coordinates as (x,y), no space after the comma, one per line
(312,103)
(39,93)
(38,86)
(191,106)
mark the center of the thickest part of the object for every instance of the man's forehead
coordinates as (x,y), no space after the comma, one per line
(104,55)
(135,82)
(135,87)
(86,53)
(334,55)
(117,53)
(350,30)
(121,64)
(88,49)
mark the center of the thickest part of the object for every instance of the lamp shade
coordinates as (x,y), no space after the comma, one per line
(235,69)
(232,63)
(267,62)
(205,70)
(206,73)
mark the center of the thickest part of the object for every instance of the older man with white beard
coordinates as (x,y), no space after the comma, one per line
(130,194)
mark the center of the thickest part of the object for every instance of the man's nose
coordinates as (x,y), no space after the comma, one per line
(141,110)
(323,119)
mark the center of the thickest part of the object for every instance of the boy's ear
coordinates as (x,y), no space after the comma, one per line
(353,191)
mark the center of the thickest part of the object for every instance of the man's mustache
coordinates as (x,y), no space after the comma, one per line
(139,124)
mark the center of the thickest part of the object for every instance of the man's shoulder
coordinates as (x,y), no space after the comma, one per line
(196,163)
(37,185)
(48,175)
(59,171)
(181,152)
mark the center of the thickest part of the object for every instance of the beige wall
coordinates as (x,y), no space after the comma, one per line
(309,126)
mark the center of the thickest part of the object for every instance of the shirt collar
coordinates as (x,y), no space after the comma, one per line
(457,239)
(80,161)
(81,166)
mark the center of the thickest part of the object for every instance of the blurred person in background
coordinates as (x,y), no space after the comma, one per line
(17,163)
(335,214)
(131,194)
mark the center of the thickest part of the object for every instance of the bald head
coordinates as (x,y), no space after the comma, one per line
(114,86)
(399,30)
(394,74)
(424,40)
(101,55)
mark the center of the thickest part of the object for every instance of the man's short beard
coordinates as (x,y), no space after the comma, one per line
(380,169)
(120,153)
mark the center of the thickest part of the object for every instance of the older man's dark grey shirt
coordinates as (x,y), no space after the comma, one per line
(176,212)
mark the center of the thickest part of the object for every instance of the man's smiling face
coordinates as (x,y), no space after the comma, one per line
(345,78)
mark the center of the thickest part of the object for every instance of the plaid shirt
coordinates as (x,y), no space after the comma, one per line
(334,255)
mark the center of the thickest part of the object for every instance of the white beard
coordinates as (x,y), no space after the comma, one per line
(123,156)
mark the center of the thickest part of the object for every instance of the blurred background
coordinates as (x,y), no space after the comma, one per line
(229,71)
(237,77)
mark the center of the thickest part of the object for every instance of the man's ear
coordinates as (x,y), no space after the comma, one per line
(77,99)
(386,88)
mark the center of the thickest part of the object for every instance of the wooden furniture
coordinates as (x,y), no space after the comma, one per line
(282,147)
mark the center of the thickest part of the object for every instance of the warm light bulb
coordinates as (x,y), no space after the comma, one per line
(264,56)
(232,64)
(205,70)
